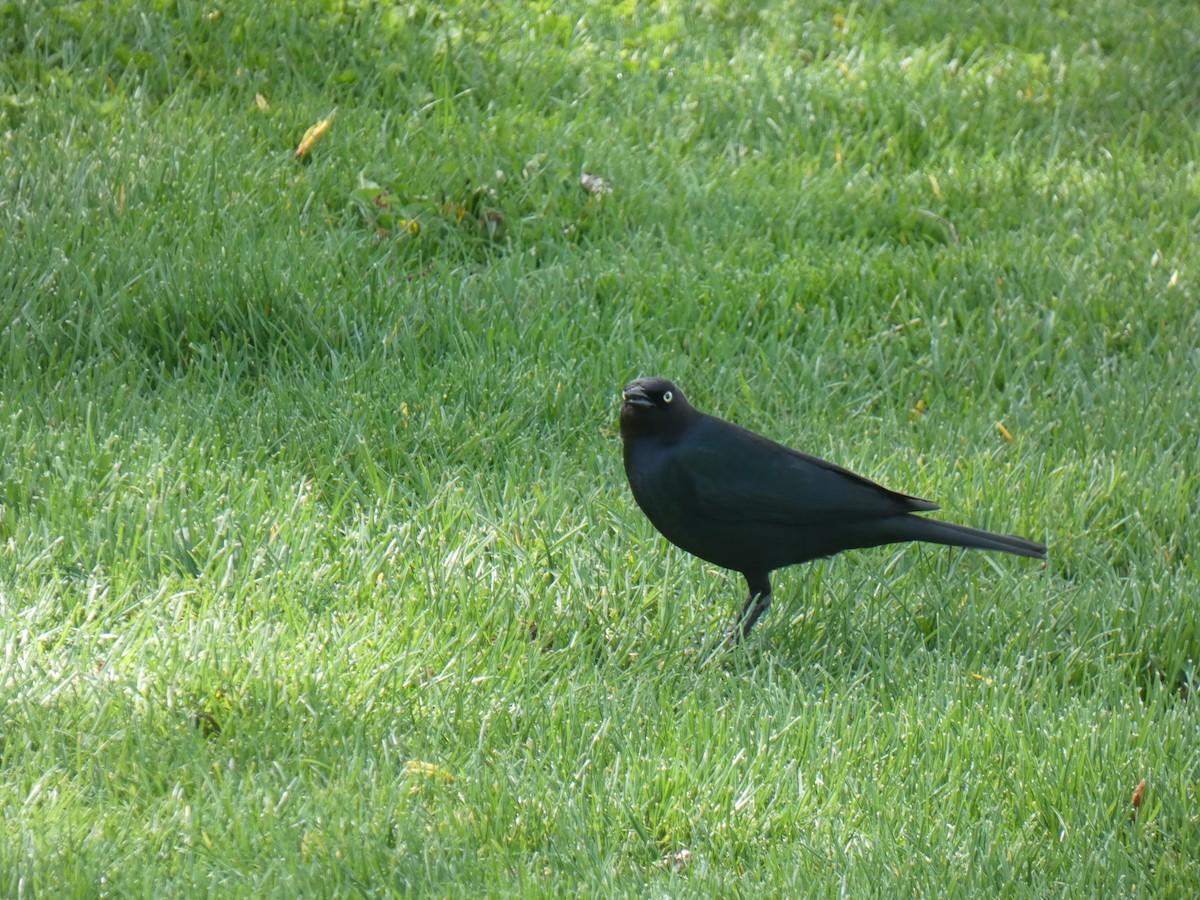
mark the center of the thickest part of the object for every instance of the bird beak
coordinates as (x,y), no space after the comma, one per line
(635,395)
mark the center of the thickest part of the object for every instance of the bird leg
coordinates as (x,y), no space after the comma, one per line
(757,603)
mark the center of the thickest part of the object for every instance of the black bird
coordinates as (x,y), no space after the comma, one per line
(746,503)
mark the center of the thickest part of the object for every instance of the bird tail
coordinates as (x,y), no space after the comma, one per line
(935,531)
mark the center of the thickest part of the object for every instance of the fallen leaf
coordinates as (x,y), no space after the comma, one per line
(1138,793)
(594,184)
(314,134)
(428,770)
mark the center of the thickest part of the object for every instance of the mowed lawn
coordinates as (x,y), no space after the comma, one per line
(319,574)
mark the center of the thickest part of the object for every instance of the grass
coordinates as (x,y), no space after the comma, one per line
(318,571)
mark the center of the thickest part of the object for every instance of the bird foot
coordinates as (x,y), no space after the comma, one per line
(756,605)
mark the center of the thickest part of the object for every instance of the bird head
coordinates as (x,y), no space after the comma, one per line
(653,405)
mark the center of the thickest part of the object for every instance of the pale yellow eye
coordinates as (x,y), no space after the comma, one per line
(668,396)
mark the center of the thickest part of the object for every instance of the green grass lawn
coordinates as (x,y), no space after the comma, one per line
(319,573)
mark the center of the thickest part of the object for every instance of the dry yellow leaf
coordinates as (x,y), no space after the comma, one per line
(428,770)
(314,134)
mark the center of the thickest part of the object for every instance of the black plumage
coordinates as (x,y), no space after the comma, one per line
(746,503)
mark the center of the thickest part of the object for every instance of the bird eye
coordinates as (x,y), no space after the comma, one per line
(668,396)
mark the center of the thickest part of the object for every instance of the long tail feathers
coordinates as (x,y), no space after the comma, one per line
(934,531)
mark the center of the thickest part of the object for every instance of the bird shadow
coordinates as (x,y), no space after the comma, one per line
(848,620)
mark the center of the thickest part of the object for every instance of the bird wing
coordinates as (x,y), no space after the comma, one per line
(735,475)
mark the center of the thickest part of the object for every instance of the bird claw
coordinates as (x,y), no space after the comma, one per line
(756,605)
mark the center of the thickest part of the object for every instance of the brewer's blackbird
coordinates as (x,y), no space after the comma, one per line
(746,503)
